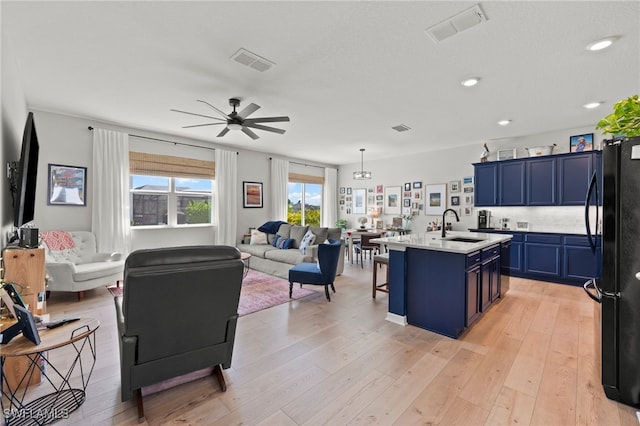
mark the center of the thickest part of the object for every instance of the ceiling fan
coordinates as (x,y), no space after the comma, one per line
(238,120)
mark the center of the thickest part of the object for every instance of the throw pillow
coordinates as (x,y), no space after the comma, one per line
(308,239)
(275,240)
(285,243)
(258,237)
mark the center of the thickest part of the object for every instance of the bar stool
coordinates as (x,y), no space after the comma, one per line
(380,259)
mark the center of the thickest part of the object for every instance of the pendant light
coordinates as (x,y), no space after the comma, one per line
(362,174)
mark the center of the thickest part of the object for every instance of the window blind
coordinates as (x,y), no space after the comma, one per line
(300,178)
(144,163)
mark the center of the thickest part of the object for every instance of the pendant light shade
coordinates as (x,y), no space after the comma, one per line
(362,174)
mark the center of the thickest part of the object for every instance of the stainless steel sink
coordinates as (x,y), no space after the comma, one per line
(464,240)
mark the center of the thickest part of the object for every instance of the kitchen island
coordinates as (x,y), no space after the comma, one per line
(443,284)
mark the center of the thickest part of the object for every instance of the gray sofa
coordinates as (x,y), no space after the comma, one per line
(274,261)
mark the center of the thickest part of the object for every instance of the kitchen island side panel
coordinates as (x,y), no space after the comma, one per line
(397,283)
(436,291)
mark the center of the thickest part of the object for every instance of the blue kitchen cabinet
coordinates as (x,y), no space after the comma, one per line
(473,287)
(579,260)
(490,270)
(486,184)
(541,182)
(543,255)
(561,179)
(436,299)
(514,263)
(574,175)
(511,176)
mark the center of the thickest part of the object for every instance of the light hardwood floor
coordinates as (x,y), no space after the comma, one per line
(529,360)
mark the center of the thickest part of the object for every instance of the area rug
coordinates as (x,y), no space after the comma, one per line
(259,291)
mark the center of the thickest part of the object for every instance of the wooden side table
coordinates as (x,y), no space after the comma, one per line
(246,258)
(65,398)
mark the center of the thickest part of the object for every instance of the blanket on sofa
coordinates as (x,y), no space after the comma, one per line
(271,227)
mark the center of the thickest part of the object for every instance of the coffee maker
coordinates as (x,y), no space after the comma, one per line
(484,219)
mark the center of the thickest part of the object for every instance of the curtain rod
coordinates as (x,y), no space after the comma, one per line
(166,141)
(303,164)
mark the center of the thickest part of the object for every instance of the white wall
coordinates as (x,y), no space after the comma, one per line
(13,118)
(66,140)
(453,164)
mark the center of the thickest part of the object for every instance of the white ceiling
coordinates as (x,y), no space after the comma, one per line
(346,71)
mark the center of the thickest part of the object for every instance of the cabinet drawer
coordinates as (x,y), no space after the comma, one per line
(516,237)
(576,240)
(490,252)
(544,238)
(473,259)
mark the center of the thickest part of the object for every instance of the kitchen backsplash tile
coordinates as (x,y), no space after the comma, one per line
(560,219)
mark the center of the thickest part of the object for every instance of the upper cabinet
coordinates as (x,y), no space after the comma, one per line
(536,181)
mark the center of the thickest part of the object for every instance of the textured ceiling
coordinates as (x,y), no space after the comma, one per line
(346,71)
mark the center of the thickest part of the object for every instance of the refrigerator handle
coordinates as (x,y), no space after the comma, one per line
(587,203)
(591,284)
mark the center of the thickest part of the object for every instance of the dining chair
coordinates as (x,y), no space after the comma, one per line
(365,246)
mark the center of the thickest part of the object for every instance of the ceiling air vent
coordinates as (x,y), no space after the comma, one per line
(257,62)
(457,23)
(401,128)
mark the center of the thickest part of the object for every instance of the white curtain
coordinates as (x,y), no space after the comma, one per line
(225,213)
(329,198)
(110,209)
(279,189)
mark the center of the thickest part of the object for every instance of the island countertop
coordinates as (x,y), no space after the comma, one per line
(434,241)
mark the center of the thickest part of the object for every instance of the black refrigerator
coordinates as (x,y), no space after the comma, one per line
(618,289)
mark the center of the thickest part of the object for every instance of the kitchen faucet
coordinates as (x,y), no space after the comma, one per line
(444,224)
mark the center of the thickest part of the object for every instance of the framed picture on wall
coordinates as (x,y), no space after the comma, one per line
(436,199)
(392,200)
(67,185)
(252,194)
(580,143)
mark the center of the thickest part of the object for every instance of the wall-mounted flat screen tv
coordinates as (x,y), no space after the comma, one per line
(27,171)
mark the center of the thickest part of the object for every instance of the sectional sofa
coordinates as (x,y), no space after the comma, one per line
(272,260)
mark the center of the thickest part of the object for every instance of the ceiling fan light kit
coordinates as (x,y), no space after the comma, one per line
(362,174)
(238,120)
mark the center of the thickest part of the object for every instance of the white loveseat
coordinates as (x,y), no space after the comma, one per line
(73,263)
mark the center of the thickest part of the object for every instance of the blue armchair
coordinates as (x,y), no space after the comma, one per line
(321,273)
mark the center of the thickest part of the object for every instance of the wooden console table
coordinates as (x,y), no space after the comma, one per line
(25,267)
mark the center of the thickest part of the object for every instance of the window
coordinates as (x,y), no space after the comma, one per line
(305,200)
(170,191)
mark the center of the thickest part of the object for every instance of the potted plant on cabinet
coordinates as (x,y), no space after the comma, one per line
(625,119)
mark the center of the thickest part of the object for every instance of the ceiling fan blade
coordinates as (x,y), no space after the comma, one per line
(250,133)
(199,115)
(224,114)
(223,132)
(266,120)
(261,127)
(248,110)
(202,125)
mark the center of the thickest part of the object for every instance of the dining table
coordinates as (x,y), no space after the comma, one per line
(354,235)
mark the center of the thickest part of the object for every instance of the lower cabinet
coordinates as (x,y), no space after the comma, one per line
(473,294)
(490,289)
(444,289)
(543,254)
(564,258)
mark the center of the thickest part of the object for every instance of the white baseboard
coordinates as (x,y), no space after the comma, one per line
(396,319)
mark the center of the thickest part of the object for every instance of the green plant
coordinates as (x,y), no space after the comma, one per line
(198,212)
(625,119)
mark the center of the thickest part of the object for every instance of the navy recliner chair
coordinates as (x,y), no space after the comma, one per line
(321,273)
(178,314)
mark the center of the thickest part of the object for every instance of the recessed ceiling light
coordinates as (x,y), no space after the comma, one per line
(592,105)
(504,122)
(470,81)
(603,43)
